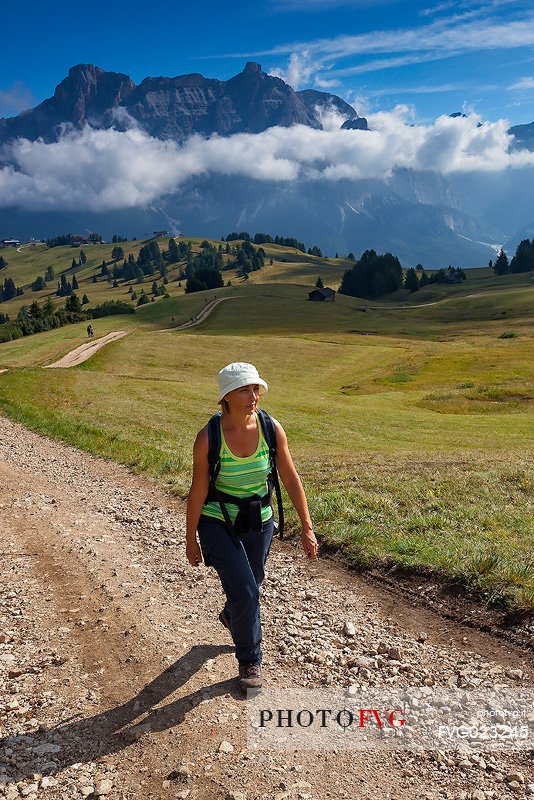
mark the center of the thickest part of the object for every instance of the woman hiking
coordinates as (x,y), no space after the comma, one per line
(235,537)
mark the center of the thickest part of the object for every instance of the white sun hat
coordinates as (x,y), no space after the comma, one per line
(238,374)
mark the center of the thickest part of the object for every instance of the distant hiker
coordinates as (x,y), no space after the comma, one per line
(235,461)
(90,331)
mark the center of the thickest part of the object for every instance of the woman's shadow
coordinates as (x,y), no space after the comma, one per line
(109,732)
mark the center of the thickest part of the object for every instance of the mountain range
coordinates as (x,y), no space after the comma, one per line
(173,108)
(420,215)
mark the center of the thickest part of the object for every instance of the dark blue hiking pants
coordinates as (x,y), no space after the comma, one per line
(241,571)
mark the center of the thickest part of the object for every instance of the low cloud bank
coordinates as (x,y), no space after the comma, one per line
(103,170)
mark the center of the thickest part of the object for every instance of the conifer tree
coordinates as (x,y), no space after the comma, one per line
(174,253)
(9,290)
(73,304)
(501,266)
(411,281)
(523,261)
(48,307)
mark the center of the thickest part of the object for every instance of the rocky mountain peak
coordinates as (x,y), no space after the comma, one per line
(84,71)
(88,81)
(173,108)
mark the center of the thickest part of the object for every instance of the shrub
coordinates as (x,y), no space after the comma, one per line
(109,308)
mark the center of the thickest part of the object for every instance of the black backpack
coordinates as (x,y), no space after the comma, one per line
(214,462)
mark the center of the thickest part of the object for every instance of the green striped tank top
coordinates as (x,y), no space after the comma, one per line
(242,477)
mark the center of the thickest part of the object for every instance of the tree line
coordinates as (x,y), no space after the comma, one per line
(266,238)
(72,240)
(374,275)
(523,260)
(44,317)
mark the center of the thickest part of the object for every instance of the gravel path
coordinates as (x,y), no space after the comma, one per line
(116,679)
(201,316)
(86,350)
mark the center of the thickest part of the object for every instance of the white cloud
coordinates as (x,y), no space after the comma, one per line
(430,12)
(523,83)
(449,36)
(103,170)
(301,69)
(329,117)
(417,90)
(323,83)
(470,6)
(298,72)
(441,38)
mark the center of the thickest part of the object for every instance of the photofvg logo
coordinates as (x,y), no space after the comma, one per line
(415,718)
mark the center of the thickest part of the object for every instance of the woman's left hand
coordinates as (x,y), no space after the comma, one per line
(309,543)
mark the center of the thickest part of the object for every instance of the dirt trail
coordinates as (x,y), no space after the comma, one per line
(86,350)
(202,315)
(103,626)
(432,303)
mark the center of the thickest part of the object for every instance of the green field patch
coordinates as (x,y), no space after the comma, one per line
(400,376)
(481,400)
(469,519)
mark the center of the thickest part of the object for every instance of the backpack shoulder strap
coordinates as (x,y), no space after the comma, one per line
(269,431)
(214,463)
(214,446)
(269,434)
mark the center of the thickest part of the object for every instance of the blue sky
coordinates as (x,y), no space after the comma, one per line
(435,57)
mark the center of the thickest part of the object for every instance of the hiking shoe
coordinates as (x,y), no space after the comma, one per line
(224,620)
(249,676)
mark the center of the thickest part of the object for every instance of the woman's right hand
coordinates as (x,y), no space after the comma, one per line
(193,553)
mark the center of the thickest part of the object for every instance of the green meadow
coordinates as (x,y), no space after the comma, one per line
(411,424)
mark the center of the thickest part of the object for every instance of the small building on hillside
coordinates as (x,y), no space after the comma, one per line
(322,295)
(10,243)
(76,239)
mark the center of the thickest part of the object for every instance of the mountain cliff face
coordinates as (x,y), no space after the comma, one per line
(524,136)
(87,94)
(173,108)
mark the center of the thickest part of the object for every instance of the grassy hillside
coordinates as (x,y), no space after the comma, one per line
(415,443)
(289,267)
